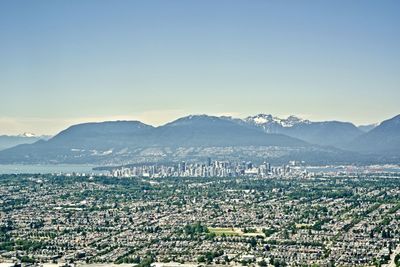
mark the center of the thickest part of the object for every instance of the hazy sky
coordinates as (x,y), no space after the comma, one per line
(64,62)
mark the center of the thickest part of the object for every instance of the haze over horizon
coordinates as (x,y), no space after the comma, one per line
(144,118)
(155,61)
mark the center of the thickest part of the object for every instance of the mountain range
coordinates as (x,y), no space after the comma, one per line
(383,139)
(260,137)
(327,133)
(7,141)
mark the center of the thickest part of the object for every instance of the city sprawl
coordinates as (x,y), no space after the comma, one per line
(263,216)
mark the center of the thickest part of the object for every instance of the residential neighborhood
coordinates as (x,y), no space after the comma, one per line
(322,220)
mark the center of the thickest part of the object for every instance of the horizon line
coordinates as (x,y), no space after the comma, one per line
(71,122)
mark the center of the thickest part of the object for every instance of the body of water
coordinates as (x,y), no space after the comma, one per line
(44,169)
(353,169)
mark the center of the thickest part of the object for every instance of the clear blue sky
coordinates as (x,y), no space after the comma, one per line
(63,62)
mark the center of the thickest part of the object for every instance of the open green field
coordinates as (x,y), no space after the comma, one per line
(229,231)
(226,231)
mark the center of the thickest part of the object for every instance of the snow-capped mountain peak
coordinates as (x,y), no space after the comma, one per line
(293,120)
(260,118)
(27,134)
(263,119)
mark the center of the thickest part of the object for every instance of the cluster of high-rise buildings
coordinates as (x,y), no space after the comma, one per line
(209,169)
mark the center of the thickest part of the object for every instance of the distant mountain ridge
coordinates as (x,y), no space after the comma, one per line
(327,133)
(272,124)
(27,134)
(384,138)
(368,127)
(199,136)
(99,142)
(7,141)
(204,130)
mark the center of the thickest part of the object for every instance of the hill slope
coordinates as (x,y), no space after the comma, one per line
(203,130)
(80,143)
(383,139)
(7,141)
